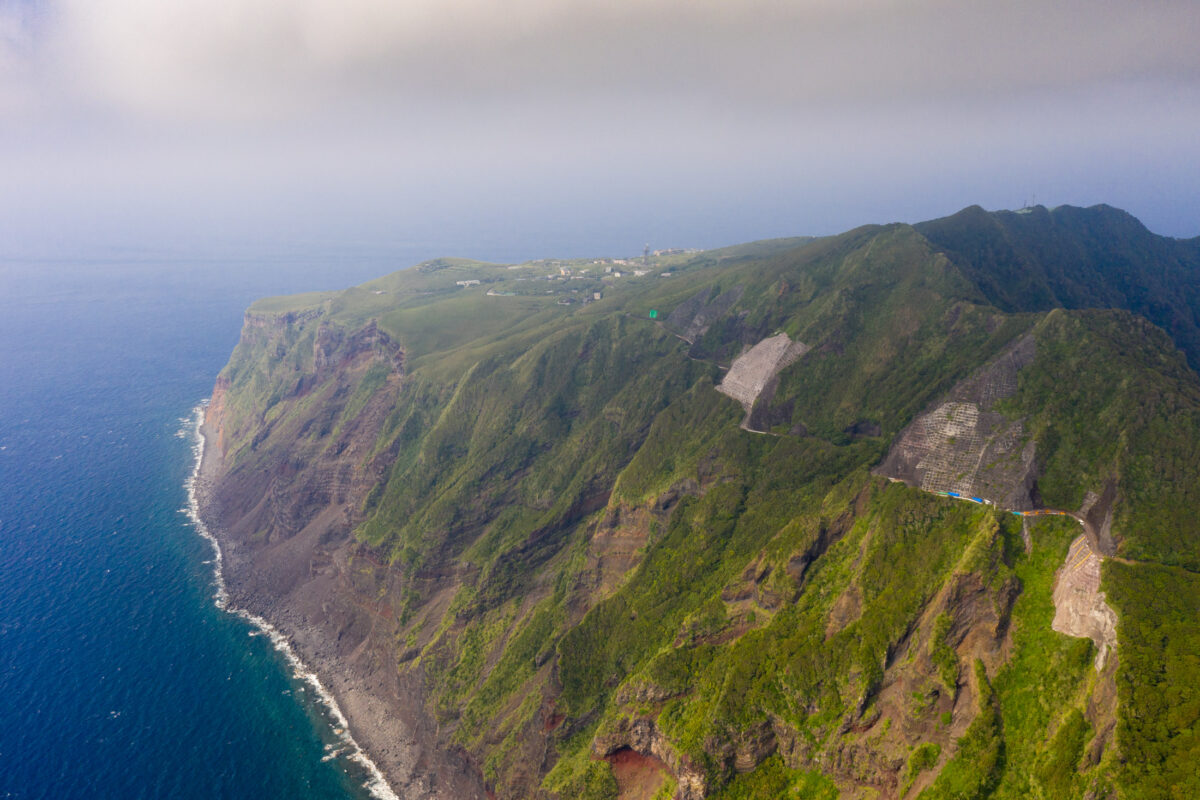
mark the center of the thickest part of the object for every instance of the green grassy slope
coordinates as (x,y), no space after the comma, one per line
(622,556)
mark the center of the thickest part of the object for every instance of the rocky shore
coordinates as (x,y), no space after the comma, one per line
(300,587)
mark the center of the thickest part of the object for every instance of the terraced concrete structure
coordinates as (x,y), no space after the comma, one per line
(960,446)
(753,369)
(963,445)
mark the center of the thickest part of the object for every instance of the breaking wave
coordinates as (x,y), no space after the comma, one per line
(376,784)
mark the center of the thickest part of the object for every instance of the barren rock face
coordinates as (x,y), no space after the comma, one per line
(1079,605)
(642,736)
(750,372)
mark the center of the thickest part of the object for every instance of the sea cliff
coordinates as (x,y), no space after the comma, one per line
(283,519)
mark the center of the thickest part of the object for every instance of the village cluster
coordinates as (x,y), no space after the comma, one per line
(579,280)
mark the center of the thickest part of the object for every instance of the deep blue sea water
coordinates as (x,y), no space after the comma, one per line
(119,678)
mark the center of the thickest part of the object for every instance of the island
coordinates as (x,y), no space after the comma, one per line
(904,512)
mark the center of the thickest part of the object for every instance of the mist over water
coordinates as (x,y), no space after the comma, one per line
(119,677)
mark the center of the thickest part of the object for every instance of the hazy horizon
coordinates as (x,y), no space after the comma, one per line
(464,128)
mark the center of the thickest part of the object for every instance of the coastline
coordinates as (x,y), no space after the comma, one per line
(198,486)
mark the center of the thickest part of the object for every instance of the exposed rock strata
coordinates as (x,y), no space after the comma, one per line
(961,445)
(1080,608)
(642,736)
(283,508)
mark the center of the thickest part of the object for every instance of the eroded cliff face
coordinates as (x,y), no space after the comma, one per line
(309,454)
(287,485)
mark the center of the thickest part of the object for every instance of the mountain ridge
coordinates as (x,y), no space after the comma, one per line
(1098,257)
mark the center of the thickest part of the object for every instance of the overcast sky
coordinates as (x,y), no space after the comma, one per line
(580,126)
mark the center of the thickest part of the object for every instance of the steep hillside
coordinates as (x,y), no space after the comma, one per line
(1100,257)
(855,516)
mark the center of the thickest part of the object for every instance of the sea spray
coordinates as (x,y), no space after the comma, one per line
(377,785)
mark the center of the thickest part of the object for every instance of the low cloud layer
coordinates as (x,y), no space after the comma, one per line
(239,58)
(412,104)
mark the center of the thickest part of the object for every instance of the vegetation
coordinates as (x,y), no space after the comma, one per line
(1159,685)
(923,757)
(1099,257)
(1129,414)
(976,767)
(579,539)
(774,779)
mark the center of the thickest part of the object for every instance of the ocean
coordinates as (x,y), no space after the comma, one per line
(119,675)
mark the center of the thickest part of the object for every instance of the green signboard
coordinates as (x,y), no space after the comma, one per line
(653,314)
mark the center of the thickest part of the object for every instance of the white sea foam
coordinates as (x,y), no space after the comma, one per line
(376,784)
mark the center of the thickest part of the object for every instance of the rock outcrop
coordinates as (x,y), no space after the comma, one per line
(642,736)
(692,318)
(1080,608)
